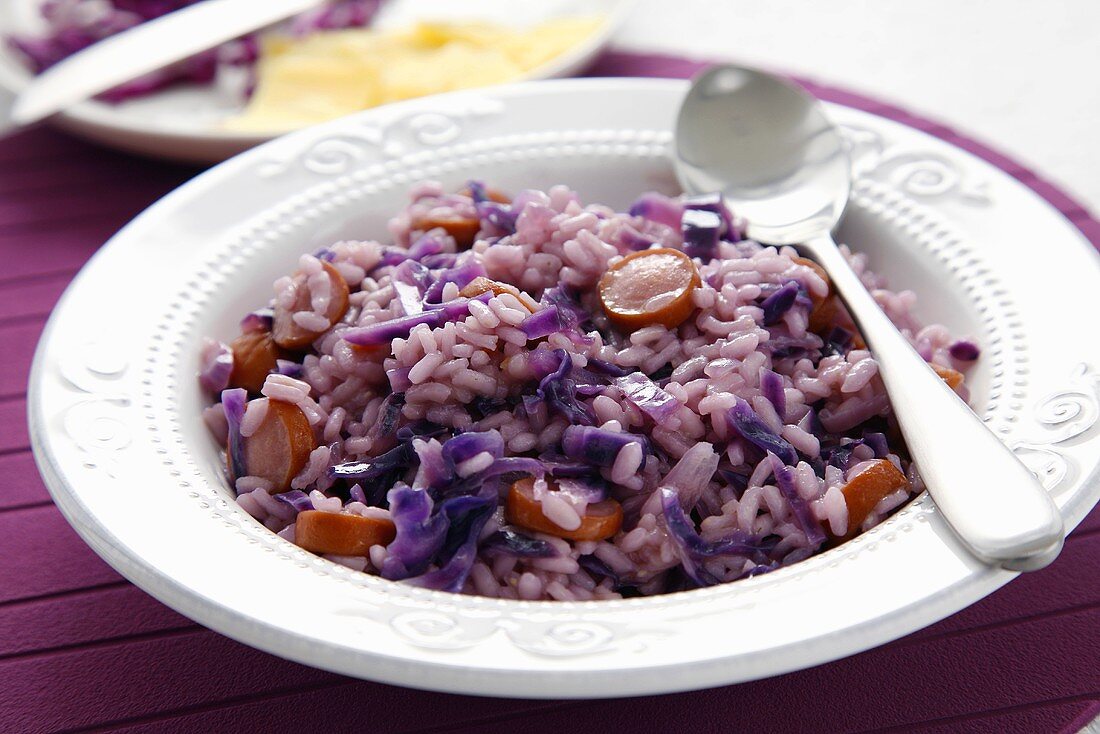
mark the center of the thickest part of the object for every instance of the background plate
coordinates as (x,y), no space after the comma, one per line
(182,123)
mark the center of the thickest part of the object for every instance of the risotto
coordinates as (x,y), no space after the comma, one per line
(535,398)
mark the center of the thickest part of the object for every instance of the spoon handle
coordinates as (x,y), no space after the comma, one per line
(994,503)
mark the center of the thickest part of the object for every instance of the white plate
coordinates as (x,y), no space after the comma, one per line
(182,123)
(114,403)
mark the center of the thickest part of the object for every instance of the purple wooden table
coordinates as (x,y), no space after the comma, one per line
(82,649)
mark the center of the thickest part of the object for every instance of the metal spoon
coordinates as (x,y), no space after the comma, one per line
(768,147)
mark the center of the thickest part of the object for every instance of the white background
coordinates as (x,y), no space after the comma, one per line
(1020,75)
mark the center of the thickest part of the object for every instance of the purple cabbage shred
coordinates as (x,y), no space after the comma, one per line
(559,390)
(420,532)
(964,351)
(785,481)
(658,208)
(779,303)
(295,498)
(399,328)
(694,550)
(216,368)
(259,320)
(597,446)
(771,387)
(715,203)
(466,517)
(701,230)
(750,426)
(521,546)
(234,403)
(288,368)
(648,397)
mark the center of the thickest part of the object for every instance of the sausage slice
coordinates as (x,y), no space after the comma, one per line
(867,488)
(481,284)
(649,287)
(462,229)
(279,448)
(287,332)
(254,355)
(953,378)
(601,520)
(341,533)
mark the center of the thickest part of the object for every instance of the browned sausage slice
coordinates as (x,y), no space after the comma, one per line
(867,489)
(279,448)
(823,315)
(462,229)
(341,533)
(481,284)
(288,333)
(490,193)
(254,355)
(649,287)
(953,378)
(601,520)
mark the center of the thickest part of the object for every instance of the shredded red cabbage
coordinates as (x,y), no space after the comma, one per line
(597,446)
(288,367)
(296,499)
(964,351)
(234,403)
(542,323)
(771,387)
(461,275)
(780,302)
(658,208)
(559,391)
(701,230)
(750,426)
(388,416)
(376,476)
(648,397)
(216,368)
(785,481)
(466,517)
(420,429)
(606,368)
(521,546)
(543,362)
(717,204)
(466,446)
(411,280)
(591,489)
(73,25)
(693,549)
(877,442)
(500,217)
(425,246)
(259,320)
(334,16)
(399,328)
(420,532)
(598,569)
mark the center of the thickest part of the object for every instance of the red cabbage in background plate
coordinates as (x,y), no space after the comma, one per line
(73,25)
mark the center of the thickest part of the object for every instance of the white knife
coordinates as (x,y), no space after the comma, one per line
(146,48)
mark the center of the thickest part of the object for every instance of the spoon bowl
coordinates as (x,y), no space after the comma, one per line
(783,159)
(769,149)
